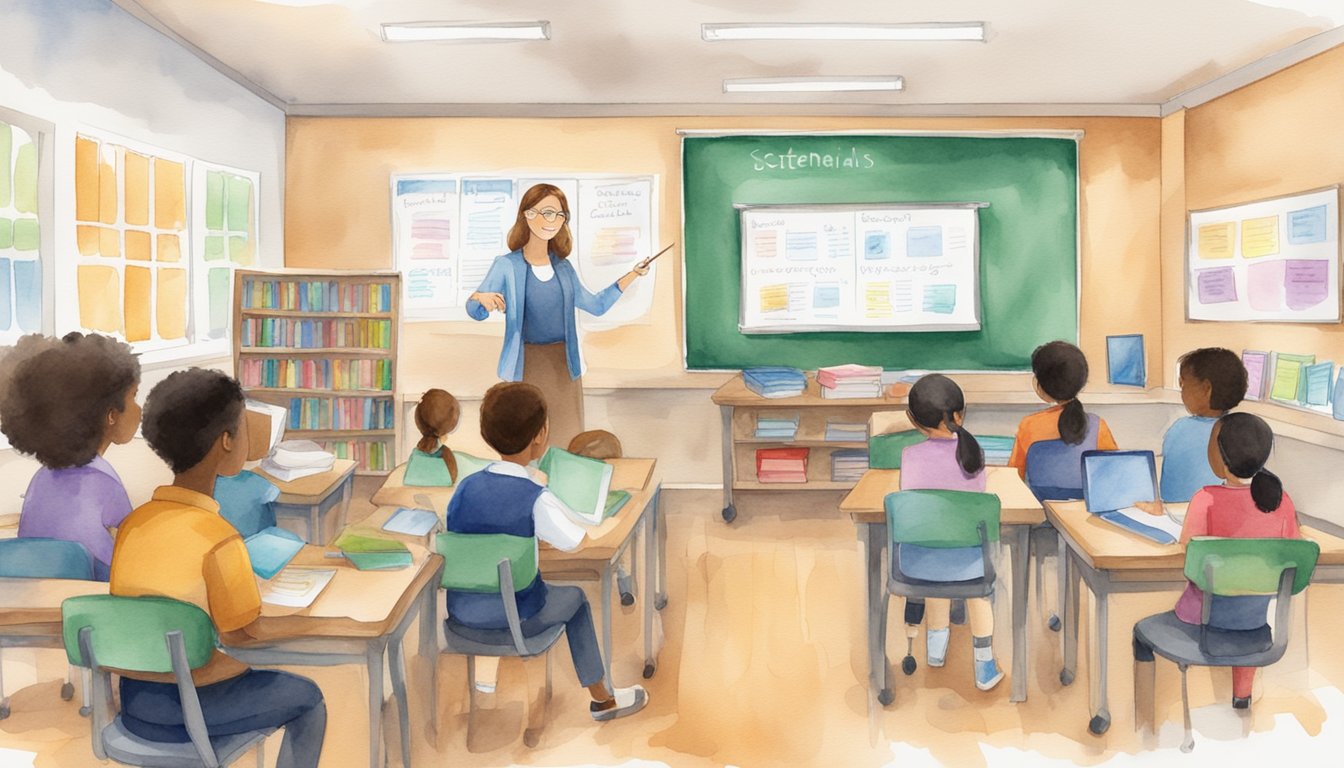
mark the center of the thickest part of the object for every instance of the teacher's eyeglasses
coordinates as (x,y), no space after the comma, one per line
(548,214)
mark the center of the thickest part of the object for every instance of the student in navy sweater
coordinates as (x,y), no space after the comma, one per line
(505,498)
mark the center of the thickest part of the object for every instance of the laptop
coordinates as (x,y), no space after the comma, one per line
(1114,480)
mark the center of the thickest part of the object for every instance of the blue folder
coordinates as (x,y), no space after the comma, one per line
(271,549)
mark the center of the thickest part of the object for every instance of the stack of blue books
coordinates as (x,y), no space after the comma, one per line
(775,381)
(847,432)
(777,427)
(997,449)
(848,466)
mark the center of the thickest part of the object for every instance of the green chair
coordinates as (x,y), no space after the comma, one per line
(42,558)
(941,520)
(494,563)
(1237,576)
(149,634)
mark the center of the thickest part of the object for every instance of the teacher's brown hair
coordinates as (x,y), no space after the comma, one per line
(560,245)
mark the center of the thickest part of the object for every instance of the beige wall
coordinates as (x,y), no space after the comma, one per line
(1278,136)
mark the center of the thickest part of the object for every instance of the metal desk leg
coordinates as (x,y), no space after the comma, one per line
(429,649)
(1101,717)
(373,660)
(315,526)
(397,666)
(347,488)
(650,589)
(659,549)
(606,623)
(1019,541)
(1068,605)
(729,511)
(877,626)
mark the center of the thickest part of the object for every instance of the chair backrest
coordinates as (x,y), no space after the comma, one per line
(1234,567)
(471,560)
(1055,468)
(884,451)
(128,632)
(42,558)
(942,519)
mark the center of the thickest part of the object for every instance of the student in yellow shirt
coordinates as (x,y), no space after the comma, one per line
(178,546)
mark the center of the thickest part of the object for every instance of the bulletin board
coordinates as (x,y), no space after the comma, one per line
(1272,260)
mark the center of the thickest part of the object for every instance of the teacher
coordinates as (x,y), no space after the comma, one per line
(537,289)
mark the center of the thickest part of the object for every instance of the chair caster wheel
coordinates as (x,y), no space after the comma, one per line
(4,711)
(531,738)
(729,513)
(67,691)
(627,599)
(1100,724)
(908,665)
(1065,677)
(885,697)
(85,711)
(1054,623)
(661,602)
(1188,747)
(649,669)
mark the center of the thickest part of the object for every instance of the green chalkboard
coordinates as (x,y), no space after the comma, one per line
(1028,241)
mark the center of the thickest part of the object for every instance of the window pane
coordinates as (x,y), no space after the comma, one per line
(25,179)
(172,303)
(6,233)
(170,198)
(86,179)
(137,189)
(214,200)
(6,146)
(26,235)
(86,238)
(240,204)
(99,298)
(109,242)
(107,185)
(220,296)
(240,249)
(5,310)
(28,295)
(137,245)
(138,302)
(170,248)
(214,247)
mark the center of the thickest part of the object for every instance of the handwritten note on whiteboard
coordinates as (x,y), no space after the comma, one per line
(860,268)
(1272,260)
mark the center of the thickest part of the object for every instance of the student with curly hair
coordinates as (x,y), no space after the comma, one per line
(65,401)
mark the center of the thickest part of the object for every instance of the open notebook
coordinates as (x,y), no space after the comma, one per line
(584,485)
(1114,480)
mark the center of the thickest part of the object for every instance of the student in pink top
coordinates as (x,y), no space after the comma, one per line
(1250,504)
(951,460)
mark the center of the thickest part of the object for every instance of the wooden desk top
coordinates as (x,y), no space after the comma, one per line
(1108,547)
(865,504)
(313,488)
(38,601)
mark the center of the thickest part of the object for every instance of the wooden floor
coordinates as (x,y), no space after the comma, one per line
(763,665)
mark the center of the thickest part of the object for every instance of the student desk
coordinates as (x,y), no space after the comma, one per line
(1113,560)
(314,497)
(30,613)
(1020,512)
(358,617)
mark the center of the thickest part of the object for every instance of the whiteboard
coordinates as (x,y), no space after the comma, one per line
(1272,260)
(878,268)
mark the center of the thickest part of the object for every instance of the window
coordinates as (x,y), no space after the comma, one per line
(21,230)
(225,227)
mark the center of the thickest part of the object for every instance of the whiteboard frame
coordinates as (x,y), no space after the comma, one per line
(834,207)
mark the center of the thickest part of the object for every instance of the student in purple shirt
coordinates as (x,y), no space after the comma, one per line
(64,401)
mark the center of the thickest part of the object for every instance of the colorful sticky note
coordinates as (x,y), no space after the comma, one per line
(1264,286)
(826,296)
(99,297)
(1307,225)
(1125,360)
(1305,282)
(940,299)
(137,303)
(1216,240)
(1216,286)
(1255,373)
(922,242)
(775,298)
(172,304)
(876,246)
(1319,377)
(1259,237)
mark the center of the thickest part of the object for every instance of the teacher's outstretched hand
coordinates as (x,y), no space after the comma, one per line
(493,302)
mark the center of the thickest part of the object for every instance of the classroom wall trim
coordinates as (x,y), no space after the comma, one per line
(752,109)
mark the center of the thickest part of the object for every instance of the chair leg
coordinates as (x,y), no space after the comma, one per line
(68,687)
(536,705)
(86,682)
(261,754)
(548,675)
(1145,689)
(1189,742)
(4,700)
(471,697)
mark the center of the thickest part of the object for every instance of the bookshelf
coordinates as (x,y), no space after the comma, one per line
(323,345)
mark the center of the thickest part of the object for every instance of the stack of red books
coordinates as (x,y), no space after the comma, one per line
(781,465)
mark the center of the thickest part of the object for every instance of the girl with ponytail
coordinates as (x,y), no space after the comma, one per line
(950,459)
(1060,372)
(1250,504)
(432,463)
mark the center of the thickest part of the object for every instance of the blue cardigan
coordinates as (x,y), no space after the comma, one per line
(508,276)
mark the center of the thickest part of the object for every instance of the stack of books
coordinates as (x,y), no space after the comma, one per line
(775,381)
(781,465)
(848,465)
(997,449)
(846,432)
(850,381)
(293,459)
(777,427)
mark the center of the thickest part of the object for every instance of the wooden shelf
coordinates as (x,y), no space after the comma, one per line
(309,313)
(324,351)
(810,485)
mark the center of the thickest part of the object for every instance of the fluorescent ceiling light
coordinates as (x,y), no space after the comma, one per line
(942,30)
(420,31)
(812,84)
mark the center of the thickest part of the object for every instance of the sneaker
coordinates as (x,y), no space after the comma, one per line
(936,642)
(987,674)
(628,702)
(485,687)
(1241,702)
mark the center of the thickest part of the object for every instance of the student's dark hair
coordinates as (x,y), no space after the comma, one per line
(1245,442)
(512,414)
(435,415)
(187,412)
(1061,373)
(563,242)
(55,394)
(1224,371)
(935,400)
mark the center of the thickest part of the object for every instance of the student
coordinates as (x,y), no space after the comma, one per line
(1213,382)
(1249,504)
(1060,372)
(950,459)
(178,546)
(432,463)
(65,402)
(505,498)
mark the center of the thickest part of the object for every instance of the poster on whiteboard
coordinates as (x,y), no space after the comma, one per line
(615,224)
(1270,261)
(878,268)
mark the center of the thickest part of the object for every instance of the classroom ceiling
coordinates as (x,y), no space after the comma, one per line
(640,54)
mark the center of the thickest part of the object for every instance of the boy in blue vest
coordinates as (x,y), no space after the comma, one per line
(504,498)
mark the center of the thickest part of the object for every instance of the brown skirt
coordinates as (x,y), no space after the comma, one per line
(546,368)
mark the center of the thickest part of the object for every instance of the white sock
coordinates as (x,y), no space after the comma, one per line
(984,653)
(937,640)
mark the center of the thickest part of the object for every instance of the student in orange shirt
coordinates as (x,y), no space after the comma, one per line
(1060,373)
(178,546)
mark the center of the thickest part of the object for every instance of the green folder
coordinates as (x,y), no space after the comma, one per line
(615,500)
(580,482)
(1289,382)
(884,451)
(373,553)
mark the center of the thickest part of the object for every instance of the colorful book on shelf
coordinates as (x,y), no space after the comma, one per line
(368,551)
(1337,404)
(775,381)
(833,376)
(615,501)
(777,427)
(1257,368)
(580,482)
(846,431)
(1319,377)
(1289,383)
(781,465)
(997,448)
(848,465)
